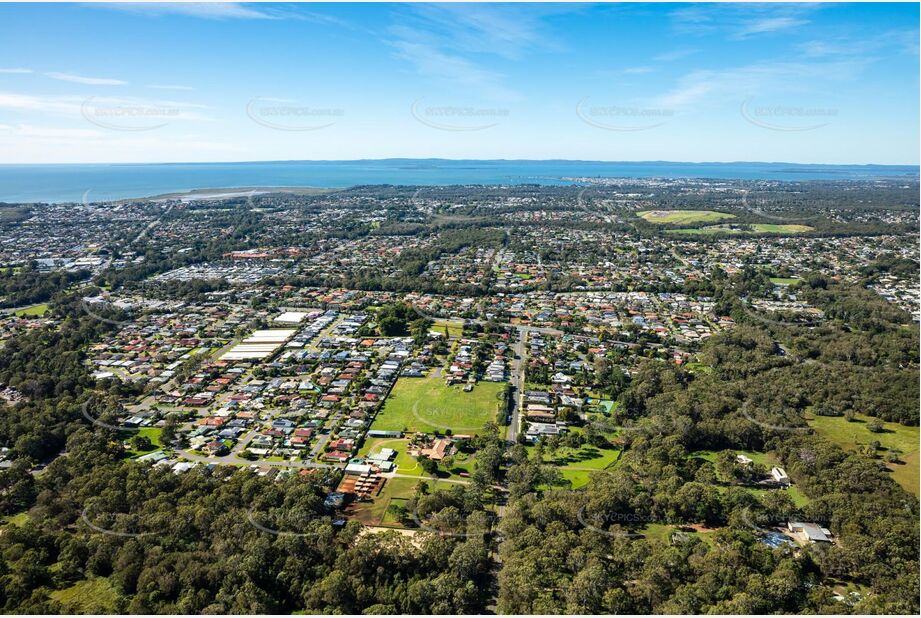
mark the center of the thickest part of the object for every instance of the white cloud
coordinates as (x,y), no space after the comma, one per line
(207,10)
(11,71)
(781,79)
(31,103)
(27,130)
(82,107)
(740,21)
(449,42)
(770,24)
(169,87)
(671,56)
(899,41)
(79,79)
(453,70)
(638,70)
(505,30)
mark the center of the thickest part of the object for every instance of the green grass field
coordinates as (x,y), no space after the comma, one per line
(851,436)
(782,228)
(577,465)
(763,459)
(697,367)
(799,499)
(785,280)
(682,217)
(96,595)
(35,311)
(703,231)
(663,532)
(750,228)
(428,405)
(151,433)
(19,519)
(449,328)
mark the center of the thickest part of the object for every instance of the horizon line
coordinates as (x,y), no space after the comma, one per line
(497,160)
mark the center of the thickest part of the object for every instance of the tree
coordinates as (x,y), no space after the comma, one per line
(17,487)
(428,465)
(141,443)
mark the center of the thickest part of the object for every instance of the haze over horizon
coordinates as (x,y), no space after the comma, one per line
(238,82)
(486,160)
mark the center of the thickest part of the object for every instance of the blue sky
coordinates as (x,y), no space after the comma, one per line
(831,83)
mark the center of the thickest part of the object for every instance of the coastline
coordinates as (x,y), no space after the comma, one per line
(80,183)
(216,193)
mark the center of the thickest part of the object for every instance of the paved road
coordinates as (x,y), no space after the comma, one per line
(518,365)
(239,461)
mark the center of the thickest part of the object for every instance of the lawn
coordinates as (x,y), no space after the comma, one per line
(783,228)
(463,462)
(35,311)
(785,280)
(389,519)
(577,465)
(586,456)
(396,490)
(657,532)
(853,435)
(152,434)
(764,459)
(96,595)
(19,519)
(697,367)
(751,228)
(663,533)
(704,231)
(428,405)
(404,462)
(605,404)
(449,328)
(799,499)
(682,217)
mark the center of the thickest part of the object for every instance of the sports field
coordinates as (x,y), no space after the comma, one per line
(853,435)
(427,404)
(682,217)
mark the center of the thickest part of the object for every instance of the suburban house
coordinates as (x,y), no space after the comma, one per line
(809,532)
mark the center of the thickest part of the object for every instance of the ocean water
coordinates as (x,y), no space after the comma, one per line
(100,182)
